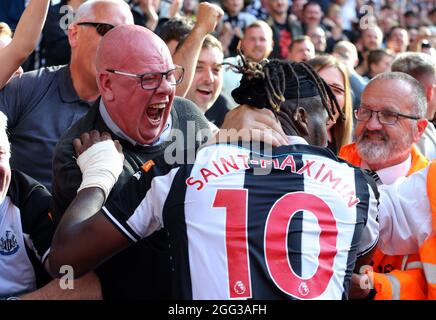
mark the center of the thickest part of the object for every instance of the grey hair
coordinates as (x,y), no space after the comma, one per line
(416,64)
(419,101)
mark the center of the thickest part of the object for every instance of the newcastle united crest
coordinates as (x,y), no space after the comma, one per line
(8,244)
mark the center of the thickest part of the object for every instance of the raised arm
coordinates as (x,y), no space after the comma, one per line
(187,55)
(25,38)
(84,237)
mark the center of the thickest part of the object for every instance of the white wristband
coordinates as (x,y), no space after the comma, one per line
(101,165)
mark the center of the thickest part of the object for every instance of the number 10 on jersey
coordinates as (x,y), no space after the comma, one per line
(275,241)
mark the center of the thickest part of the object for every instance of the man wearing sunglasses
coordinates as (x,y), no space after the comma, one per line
(390,120)
(41,105)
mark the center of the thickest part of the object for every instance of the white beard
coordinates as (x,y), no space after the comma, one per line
(381,151)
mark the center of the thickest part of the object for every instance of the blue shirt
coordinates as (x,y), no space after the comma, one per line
(40,105)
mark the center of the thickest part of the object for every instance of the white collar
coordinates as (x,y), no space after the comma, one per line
(390,174)
(296,140)
(115,129)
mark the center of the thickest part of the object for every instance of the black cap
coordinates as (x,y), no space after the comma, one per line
(252,90)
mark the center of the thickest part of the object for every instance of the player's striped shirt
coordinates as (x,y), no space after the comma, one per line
(235,234)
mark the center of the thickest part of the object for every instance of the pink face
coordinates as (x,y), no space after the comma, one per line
(382,66)
(302,51)
(372,39)
(142,114)
(256,44)
(399,40)
(207,82)
(86,39)
(312,15)
(318,37)
(383,144)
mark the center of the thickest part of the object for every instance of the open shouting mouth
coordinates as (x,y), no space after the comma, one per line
(155,112)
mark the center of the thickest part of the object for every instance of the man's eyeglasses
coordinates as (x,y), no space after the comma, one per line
(101,28)
(152,80)
(383,116)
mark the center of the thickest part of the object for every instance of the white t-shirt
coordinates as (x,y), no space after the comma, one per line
(405,215)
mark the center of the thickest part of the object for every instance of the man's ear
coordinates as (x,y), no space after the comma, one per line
(421,125)
(301,121)
(72,35)
(105,86)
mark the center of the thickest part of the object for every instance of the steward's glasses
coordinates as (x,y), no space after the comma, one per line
(152,80)
(101,28)
(383,116)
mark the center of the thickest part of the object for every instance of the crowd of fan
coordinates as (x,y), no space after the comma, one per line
(355,47)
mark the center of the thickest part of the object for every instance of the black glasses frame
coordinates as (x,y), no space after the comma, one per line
(101,27)
(162,74)
(391,113)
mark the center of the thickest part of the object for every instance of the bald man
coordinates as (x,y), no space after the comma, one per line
(137,81)
(41,105)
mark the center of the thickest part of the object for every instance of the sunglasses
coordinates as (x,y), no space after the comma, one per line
(101,28)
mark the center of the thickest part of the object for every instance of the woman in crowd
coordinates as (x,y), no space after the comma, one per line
(335,74)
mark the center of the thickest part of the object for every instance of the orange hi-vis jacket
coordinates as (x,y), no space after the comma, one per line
(395,277)
(427,251)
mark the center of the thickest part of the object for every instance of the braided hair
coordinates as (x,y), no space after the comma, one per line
(270,83)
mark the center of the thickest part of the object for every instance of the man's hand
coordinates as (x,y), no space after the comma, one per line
(261,125)
(187,55)
(208,16)
(99,161)
(89,139)
(360,286)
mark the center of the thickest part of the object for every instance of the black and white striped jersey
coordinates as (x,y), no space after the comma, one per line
(234,233)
